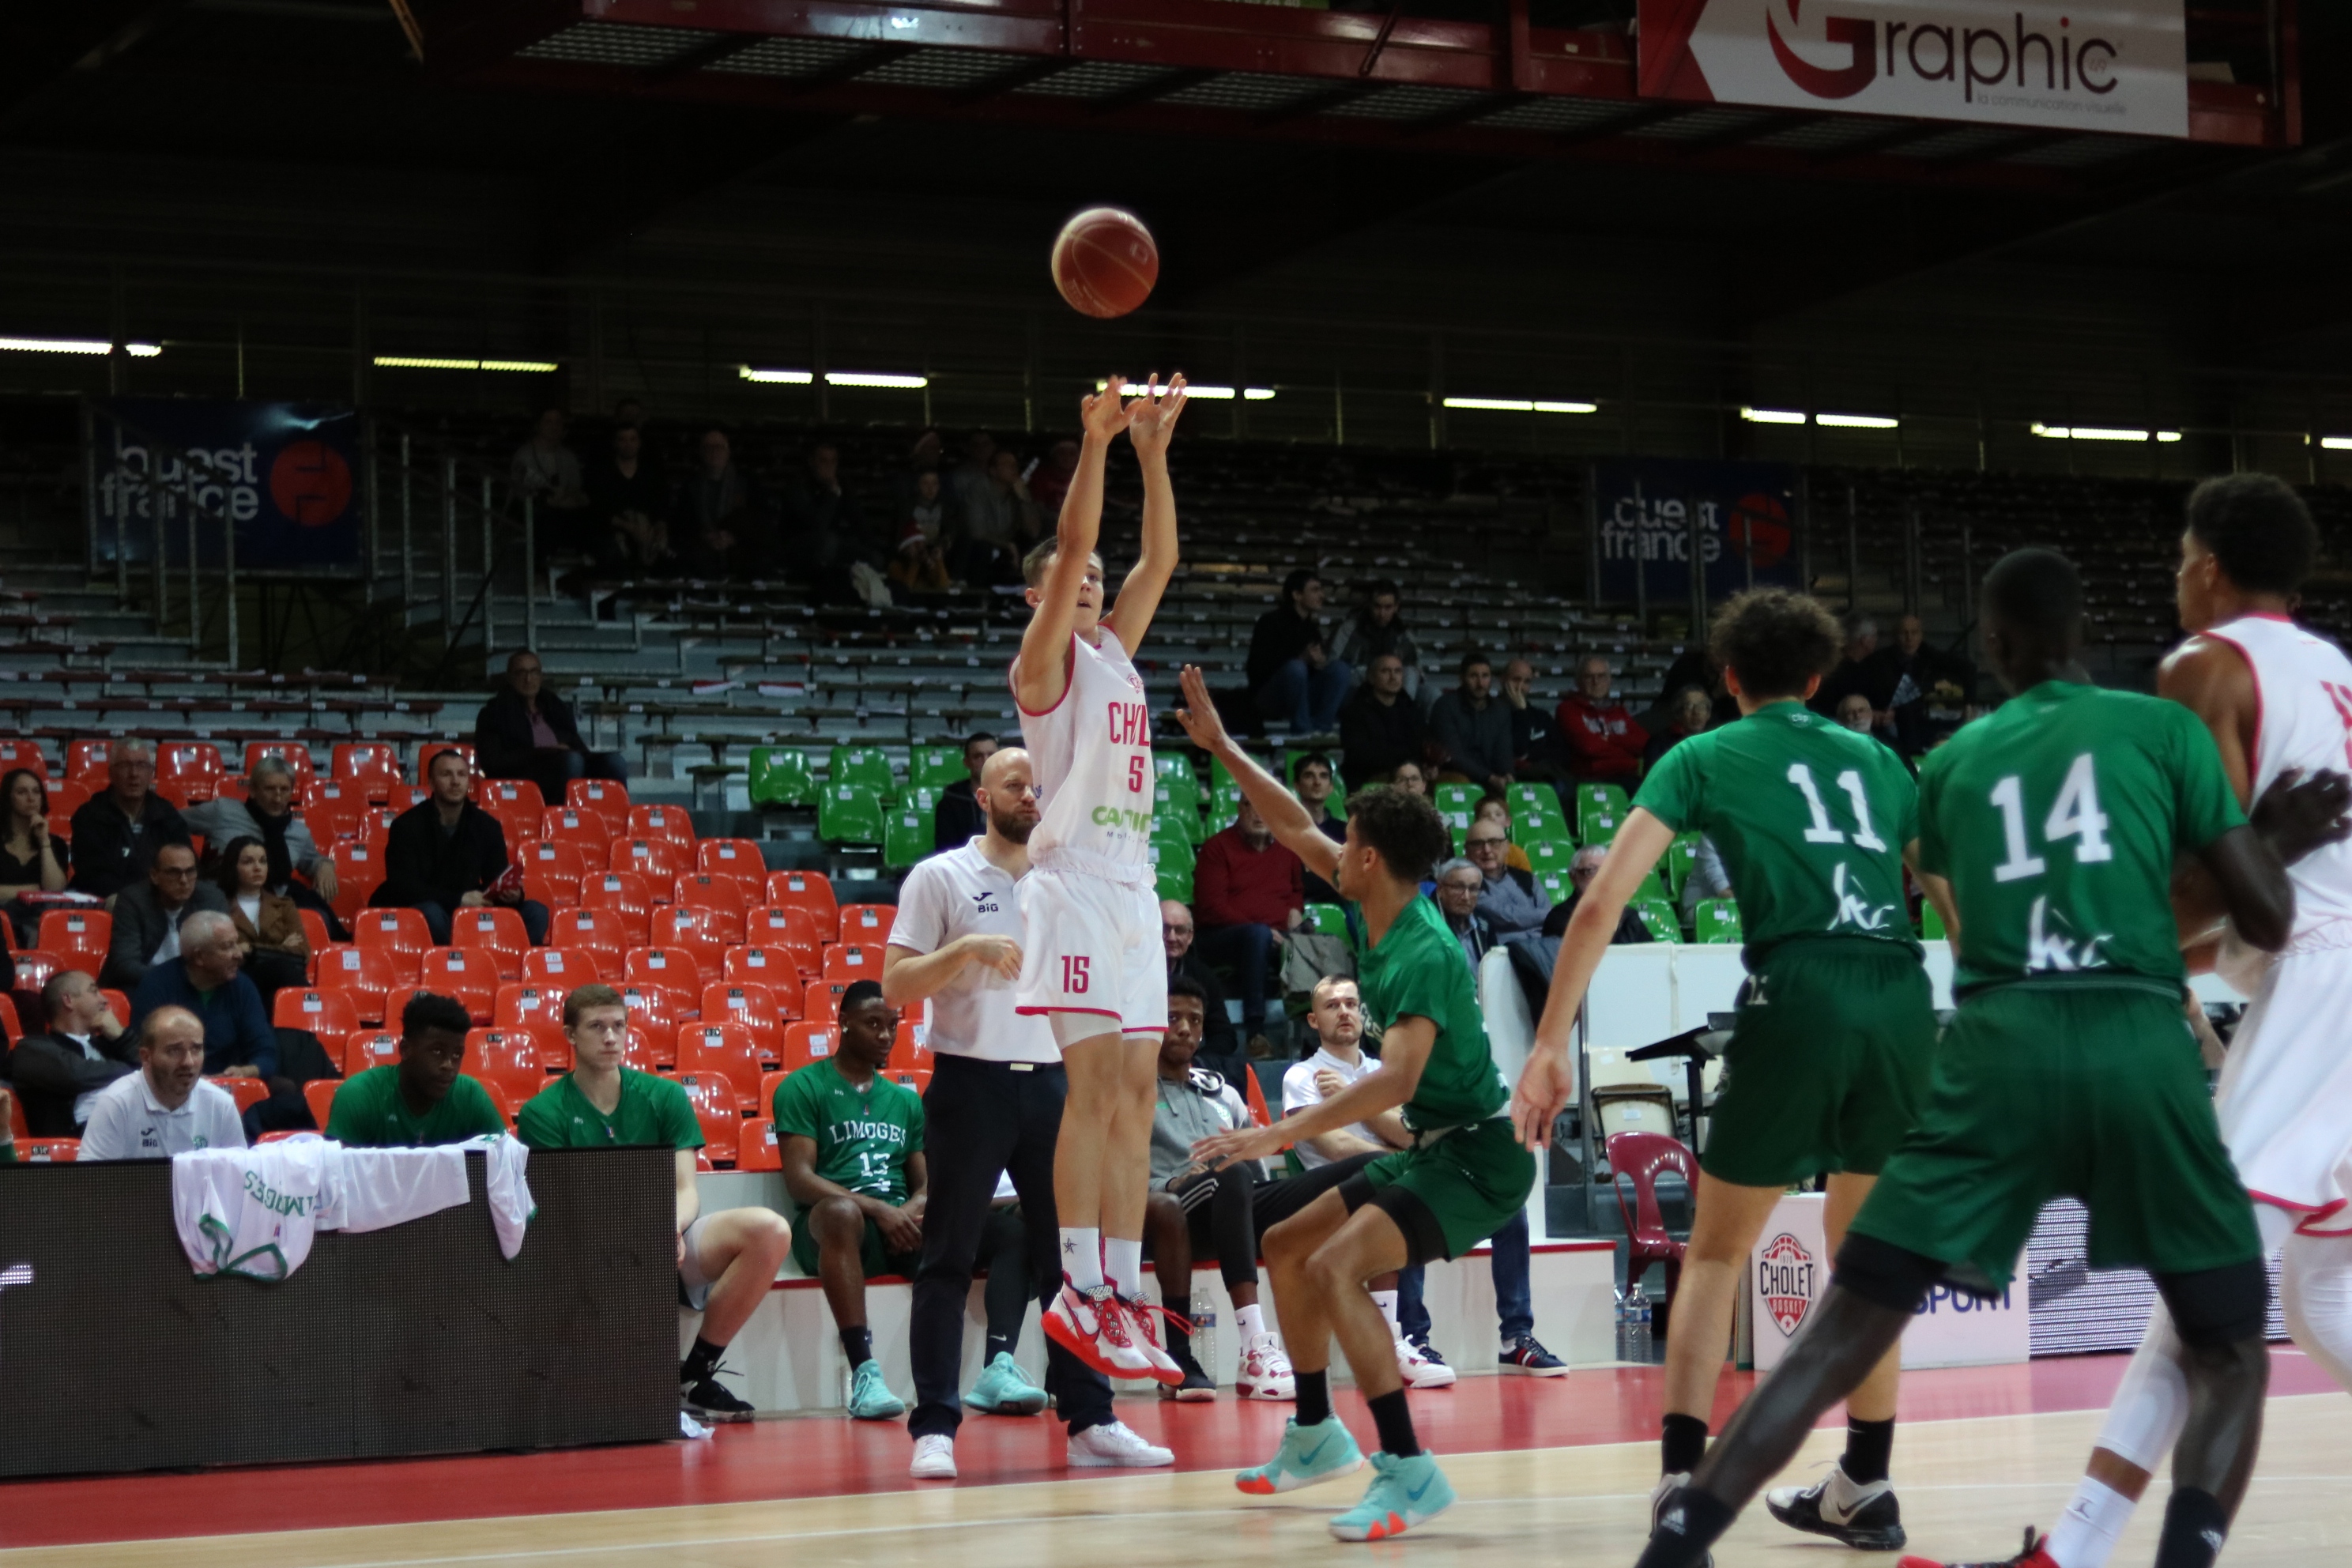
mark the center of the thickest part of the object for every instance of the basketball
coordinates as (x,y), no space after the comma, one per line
(1105,262)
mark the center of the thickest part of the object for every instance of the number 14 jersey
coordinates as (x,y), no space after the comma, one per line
(1810,817)
(2057,818)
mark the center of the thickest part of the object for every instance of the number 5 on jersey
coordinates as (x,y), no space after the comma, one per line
(1073,975)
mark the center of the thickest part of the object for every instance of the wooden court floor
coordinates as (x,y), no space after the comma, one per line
(1969,1485)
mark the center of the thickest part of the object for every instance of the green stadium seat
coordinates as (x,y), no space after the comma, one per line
(938,766)
(1176,884)
(863,765)
(1549,855)
(1171,850)
(1534,797)
(1659,916)
(922,797)
(1650,887)
(907,838)
(1609,797)
(780,776)
(1176,801)
(1717,920)
(1556,884)
(1533,825)
(849,814)
(1596,824)
(1677,861)
(1453,797)
(1328,920)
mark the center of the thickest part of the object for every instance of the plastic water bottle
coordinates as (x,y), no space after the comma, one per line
(1204,1330)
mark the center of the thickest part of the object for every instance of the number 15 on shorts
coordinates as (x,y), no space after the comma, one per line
(1074,973)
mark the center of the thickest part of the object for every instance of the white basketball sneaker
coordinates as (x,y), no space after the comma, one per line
(934,1458)
(1265,1372)
(1420,1370)
(1117,1445)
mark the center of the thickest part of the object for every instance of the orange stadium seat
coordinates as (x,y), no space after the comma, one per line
(700,932)
(670,822)
(917,1078)
(845,961)
(790,929)
(624,893)
(365,1048)
(497,934)
(398,931)
(714,890)
(248,1092)
(721,1048)
(17,753)
(17,1122)
(584,830)
(359,873)
(508,1058)
(293,753)
(520,794)
(606,796)
(564,967)
(32,971)
(756,1007)
(372,765)
(910,1048)
(806,1042)
(431,749)
(650,1009)
(810,890)
(663,966)
(717,1111)
(468,977)
(328,1015)
(320,1092)
(560,865)
(764,966)
(868,922)
(648,1049)
(499,1098)
(733,857)
(86,760)
(657,860)
(538,1009)
(48,1151)
(758,1148)
(116,1002)
(821,1001)
(606,930)
(193,766)
(314,928)
(77,939)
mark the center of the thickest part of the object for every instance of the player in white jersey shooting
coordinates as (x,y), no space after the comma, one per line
(1092,961)
(2278,701)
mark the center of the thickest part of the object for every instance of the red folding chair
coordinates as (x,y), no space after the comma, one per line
(48,1151)
(366,975)
(606,930)
(755,1008)
(86,761)
(651,1011)
(24,755)
(559,864)
(657,860)
(714,890)
(564,967)
(365,1048)
(1637,1158)
(372,766)
(400,932)
(32,971)
(359,873)
(77,939)
(821,1001)
(810,890)
(649,1050)
(760,1151)
(508,1058)
(469,977)
(584,830)
(733,857)
(697,932)
(538,1009)
(723,1048)
(320,1094)
(716,1111)
(431,749)
(910,1048)
(599,795)
(664,966)
(868,924)
(520,793)
(328,1015)
(846,961)
(624,893)
(314,930)
(192,766)
(497,934)
(293,753)
(248,1092)
(669,822)
(792,930)
(808,1041)
(764,966)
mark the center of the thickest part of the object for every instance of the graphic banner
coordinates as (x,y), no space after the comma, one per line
(2109,64)
(1789,1267)
(286,474)
(1643,507)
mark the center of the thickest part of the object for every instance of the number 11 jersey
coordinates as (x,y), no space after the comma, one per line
(2057,818)
(1810,817)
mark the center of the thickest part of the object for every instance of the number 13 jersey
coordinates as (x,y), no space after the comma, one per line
(2057,818)
(1092,755)
(1810,817)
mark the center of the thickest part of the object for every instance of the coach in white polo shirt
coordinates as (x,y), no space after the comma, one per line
(994,1107)
(166,1107)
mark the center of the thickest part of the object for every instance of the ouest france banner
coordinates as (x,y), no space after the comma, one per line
(2107,65)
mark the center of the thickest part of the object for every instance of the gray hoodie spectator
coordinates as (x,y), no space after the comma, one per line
(1474,727)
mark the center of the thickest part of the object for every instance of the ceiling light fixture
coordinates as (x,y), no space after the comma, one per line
(1521,406)
(92,346)
(1773,415)
(413,362)
(2096,433)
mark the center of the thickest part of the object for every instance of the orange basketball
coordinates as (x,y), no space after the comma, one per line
(1105,263)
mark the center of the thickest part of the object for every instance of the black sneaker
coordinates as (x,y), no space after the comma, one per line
(1866,1517)
(1666,1495)
(1525,1355)
(1197,1385)
(709,1400)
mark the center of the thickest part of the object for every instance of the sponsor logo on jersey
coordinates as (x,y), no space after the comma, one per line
(1785,1274)
(1854,911)
(276,1202)
(1130,724)
(984,903)
(2048,951)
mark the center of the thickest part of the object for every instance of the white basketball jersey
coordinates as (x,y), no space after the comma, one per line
(2303,719)
(1092,755)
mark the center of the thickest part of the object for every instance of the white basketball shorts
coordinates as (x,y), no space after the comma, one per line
(2285,1095)
(1090,945)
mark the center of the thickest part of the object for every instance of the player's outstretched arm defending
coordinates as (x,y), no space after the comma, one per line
(1042,674)
(1152,421)
(1293,828)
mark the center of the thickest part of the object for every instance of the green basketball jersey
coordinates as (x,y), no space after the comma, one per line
(863,1135)
(369,1113)
(651,1110)
(1810,817)
(1417,970)
(2057,818)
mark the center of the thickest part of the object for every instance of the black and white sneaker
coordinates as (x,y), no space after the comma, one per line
(1866,1517)
(709,1400)
(1666,1500)
(1198,1385)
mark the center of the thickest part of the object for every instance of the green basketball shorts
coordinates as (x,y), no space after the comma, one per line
(1472,1179)
(877,1259)
(1827,1065)
(2086,1088)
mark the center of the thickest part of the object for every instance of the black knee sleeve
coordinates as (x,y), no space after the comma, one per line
(1884,1274)
(2214,1308)
(1232,1229)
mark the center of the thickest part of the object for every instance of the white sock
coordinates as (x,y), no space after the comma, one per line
(1082,1256)
(2316,1291)
(1123,1262)
(1387,1302)
(2086,1532)
(1251,1319)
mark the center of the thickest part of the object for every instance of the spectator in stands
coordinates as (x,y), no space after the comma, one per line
(718,524)
(1535,749)
(1292,674)
(1375,629)
(60,1074)
(1381,728)
(32,860)
(1051,481)
(268,813)
(823,533)
(1690,713)
(1915,674)
(970,480)
(852,1144)
(1605,743)
(239,1039)
(147,918)
(1694,666)
(268,927)
(1472,729)
(959,819)
(1706,878)
(1854,712)
(116,831)
(999,521)
(1247,892)
(1494,809)
(727,1260)
(1582,866)
(424,1097)
(1200,1211)
(1856,672)
(1312,783)
(1410,778)
(924,457)
(444,853)
(629,508)
(526,732)
(919,560)
(1460,884)
(1221,1047)
(546,473)
(166,1108)
(1512,902)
